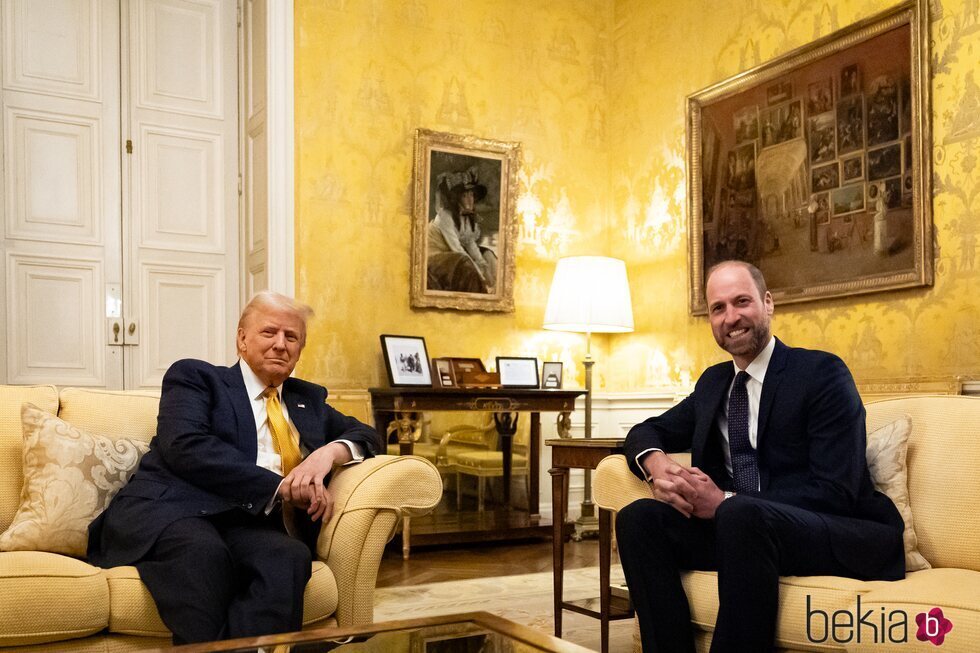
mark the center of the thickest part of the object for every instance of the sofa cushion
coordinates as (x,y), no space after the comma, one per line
(70,476)
(12,397)
(827,593)
(886,453)
(955,591)
(132,610)
(133,413)
(46,597)
(943,458)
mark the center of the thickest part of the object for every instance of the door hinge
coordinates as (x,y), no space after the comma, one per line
(129,146)
(239,185)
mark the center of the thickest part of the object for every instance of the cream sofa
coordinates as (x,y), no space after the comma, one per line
(944,490)
(51,602)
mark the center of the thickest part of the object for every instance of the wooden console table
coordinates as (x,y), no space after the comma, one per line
(584,454)
(402,403)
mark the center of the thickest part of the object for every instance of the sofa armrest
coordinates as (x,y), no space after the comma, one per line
(614,486)
(369,500)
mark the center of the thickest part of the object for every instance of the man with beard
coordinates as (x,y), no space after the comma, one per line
(779,482)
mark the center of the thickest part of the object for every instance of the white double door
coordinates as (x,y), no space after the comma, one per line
(120,188)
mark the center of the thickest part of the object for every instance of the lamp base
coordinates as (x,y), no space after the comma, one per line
(587,525)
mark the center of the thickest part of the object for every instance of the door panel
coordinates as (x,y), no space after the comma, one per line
(53,175)
(55,47)
(185,306)
(181,213)
(120,188)
(183,205)
(255,173)
(61,187)
(180,55)
(51,325)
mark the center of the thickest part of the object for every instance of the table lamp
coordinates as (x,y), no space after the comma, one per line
(589,294)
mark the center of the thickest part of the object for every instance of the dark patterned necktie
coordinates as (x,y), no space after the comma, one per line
(745,463)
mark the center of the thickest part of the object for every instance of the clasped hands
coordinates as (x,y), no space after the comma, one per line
(303,487)
(688,490)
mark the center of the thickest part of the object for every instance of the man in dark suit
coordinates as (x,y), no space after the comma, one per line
(221,517)
(779,482)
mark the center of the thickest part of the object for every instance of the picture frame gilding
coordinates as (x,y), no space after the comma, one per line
(406,361)
(811,230)
(464,222)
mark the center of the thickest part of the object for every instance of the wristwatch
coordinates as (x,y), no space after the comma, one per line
(728,494)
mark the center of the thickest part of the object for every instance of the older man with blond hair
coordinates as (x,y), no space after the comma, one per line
(221,517)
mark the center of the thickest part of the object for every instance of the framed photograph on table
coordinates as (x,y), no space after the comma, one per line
(551,374)
(837,117)
(442,373)
(406,360)
(518,372)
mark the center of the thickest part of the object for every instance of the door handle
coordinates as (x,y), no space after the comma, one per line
(132,334)
(114,335)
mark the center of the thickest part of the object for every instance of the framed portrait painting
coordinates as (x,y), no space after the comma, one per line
(842,142)
(464,224)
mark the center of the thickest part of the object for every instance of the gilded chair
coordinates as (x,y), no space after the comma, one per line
(489,463)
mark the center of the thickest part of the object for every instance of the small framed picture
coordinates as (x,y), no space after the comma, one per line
(551,374)
(406,360)
(442,373)
(518,372)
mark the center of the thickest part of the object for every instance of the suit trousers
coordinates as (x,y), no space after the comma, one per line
(228,575)
(751,542)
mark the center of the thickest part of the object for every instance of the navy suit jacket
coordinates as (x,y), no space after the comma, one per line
(202,460)
(811,450)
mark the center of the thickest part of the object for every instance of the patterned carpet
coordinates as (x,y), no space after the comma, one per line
(526,599)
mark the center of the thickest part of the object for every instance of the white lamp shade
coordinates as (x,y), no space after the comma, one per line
(589,294)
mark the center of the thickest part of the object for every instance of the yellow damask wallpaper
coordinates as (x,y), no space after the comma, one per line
(594,89)
(664,52)
(367,74)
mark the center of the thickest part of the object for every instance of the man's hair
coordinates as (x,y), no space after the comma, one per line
(754,272)
(270,299)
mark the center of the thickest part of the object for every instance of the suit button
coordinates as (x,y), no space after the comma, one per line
(248,506)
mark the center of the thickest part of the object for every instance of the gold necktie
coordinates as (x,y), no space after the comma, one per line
(282,437)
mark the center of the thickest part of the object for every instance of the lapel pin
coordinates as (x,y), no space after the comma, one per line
(301,405)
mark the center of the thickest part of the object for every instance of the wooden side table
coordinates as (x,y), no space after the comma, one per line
(567,453)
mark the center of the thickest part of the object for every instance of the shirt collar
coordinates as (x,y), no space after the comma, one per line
(757,368)
(253,385)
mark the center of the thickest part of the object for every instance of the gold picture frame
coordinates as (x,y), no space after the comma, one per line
(464,225)
(766,149)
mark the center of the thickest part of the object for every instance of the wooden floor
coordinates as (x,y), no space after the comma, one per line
(459,562)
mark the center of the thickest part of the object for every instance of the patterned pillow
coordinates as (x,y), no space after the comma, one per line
(887,448)
(70,476)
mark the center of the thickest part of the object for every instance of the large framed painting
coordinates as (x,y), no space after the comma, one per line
(464,225)
(815,166)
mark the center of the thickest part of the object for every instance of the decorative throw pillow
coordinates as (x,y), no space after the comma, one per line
(887,448)
(69,478)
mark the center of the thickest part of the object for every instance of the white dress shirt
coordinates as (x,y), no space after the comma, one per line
(753,386)
(267,456)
